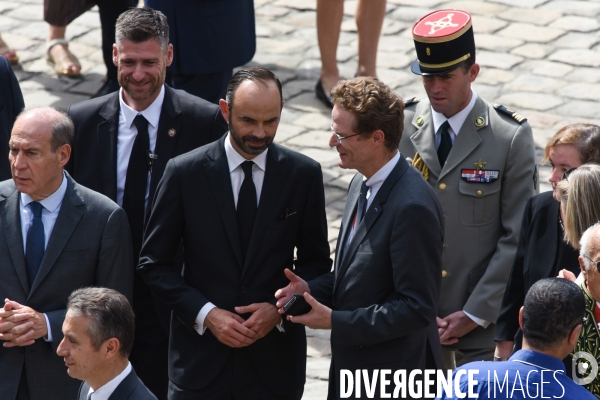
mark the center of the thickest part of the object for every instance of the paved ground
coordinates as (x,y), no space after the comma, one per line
(539,57)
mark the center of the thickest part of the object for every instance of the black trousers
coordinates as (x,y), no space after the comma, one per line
(210,87)
(150,362)
(237,380)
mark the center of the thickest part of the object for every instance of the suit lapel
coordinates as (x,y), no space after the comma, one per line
(9,212)
(217,173)
(126,387)
(372,215)
(468,138)
(349,210)
(165,143)
(275,174)
(68,217)
(108,131)
(424,138)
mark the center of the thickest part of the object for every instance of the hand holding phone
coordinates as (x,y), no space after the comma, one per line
(297,305)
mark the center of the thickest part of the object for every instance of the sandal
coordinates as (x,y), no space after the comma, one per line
(65,63)
(8,53)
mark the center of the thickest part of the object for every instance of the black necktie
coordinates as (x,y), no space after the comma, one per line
(246,206)
(445,144)
(36,242)
(136,181)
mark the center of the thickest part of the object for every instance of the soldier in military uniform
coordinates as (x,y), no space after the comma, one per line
(480,160)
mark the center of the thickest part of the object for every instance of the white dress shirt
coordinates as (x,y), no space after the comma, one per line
(374,182)
(456,121)
(51,207)
(235,160)
(127,134)
(104,391)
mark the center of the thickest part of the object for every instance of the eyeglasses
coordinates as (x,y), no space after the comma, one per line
(340,137)
(568,173)
(597,263)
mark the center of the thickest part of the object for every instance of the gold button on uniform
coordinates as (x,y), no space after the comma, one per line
(444,273)
(442,186)
(479,193)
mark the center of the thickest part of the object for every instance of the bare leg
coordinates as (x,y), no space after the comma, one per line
(66,63)
(369,19)
(329,23)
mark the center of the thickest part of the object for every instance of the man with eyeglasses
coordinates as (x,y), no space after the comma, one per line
(589,261)
(380,302)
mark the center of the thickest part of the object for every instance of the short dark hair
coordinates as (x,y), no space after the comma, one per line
(374,105)
(552,308)
(254,74)
(141,24)
(468,63)
(62,127)
(110,316)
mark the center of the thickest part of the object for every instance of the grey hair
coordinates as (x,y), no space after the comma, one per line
(141,24)
(584,243)
(110,314)
(62,128)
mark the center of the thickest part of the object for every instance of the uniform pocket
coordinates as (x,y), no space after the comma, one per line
(479,203)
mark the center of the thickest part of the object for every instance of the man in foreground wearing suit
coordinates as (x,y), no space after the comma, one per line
(122,144)
(242,205)
(98,337)
(55,236)
(381,300)
(12,102)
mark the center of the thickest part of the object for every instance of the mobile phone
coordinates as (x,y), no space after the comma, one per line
(297,305)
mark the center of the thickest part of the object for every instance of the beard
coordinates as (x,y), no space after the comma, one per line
(242,142)
(142,94)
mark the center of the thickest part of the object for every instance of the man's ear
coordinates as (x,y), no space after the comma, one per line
(378,136)
(64,153)
(169,54)
(224,109)
(582,266)
(521,318)
(111,347)
(574,335)
(115,55)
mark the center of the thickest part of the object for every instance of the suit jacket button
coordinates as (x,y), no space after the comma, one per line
(479,193)
(444,273)
(243,290)
(442,186)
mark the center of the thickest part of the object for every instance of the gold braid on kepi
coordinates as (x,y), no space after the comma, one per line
(419,164)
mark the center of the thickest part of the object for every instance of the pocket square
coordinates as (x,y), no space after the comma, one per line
(286,214)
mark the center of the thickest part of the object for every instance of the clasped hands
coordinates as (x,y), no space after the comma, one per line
(454,326)
(20,325)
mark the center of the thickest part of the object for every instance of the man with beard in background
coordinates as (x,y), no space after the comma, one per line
(122,144)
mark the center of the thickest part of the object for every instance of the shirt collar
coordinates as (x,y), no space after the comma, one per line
(378,177)
(52,202)
(457,120)
(151,113)
(537,359)
(105,391)
(234,159)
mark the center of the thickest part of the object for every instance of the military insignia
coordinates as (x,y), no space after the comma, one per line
(479,121)
(480,164)
(517,117)
(171,132)
(428,51)
(410,102)
(420,121)
(479,175)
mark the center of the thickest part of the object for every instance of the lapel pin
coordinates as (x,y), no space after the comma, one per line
(479,122)
(419,121)
(171,132)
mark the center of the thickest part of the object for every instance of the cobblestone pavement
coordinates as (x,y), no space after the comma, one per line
(539,57)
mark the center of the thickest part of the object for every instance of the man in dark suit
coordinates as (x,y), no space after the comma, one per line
(242,206)
(381,300)
(57,236)
(11,104)
(98,336)
(112,157)
(211,39)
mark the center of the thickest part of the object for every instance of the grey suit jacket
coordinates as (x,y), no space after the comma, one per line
(90,245)
(483,220)
(384,290)
(130,388)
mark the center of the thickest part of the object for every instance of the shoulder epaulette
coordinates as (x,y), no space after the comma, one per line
(516,116)
(410,102)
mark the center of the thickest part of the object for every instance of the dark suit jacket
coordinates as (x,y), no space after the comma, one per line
(209,35)
(384,291)
(534,260)
(130,388)
(90,245)
(11,104)
(195,202)
(94,164)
